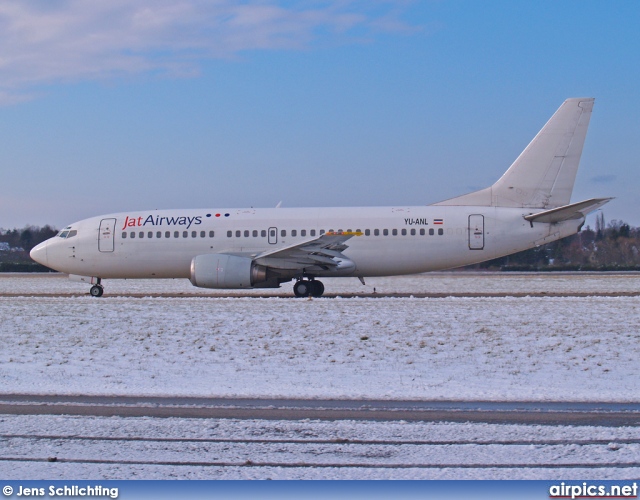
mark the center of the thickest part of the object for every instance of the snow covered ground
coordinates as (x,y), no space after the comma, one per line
(527,348)
(151,448)
(538,348)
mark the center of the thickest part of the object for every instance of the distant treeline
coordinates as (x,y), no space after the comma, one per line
(15,245)
(609,247)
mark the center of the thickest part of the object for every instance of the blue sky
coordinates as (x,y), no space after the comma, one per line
(119,106)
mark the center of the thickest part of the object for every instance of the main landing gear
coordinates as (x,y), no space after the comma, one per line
(306,288)
(97,290)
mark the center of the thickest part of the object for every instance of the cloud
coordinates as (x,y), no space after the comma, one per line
(74,40)
(603,179)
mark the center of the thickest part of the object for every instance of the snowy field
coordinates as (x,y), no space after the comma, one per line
(149,448)
(527,348)
(508,348)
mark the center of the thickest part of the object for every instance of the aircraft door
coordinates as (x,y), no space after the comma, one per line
(476,232)
(106,235)
(273,235)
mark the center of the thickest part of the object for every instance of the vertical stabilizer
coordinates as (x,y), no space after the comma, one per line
(544,173)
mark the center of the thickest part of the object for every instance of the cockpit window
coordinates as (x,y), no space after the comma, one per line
(66,233)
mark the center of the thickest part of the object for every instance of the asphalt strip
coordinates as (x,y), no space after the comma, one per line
(517,412)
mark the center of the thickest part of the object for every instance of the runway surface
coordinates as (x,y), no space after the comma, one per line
(366,295)
(522,412)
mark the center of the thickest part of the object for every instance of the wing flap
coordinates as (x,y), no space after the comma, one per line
(321,253)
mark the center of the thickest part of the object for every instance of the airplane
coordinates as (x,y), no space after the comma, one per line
(265,247)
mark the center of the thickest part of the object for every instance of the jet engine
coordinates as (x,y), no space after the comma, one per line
(219,270)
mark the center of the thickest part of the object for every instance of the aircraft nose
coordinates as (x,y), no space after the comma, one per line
(39,253)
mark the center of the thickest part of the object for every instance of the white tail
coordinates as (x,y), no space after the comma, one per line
(544,173)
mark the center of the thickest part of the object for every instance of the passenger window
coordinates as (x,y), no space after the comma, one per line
(303,232)
(321,232)
(413,232)
(202,234)
(294,232)
(273,233)
(283,232)
(385,232)
(133,234)
(367,232)
(176,234)
(167,234)
(238,234)
(159,234)
(395,232)
(246,233)
(376,232)
(263,233)
(404,232)
(430,232)
(194,234)
(124,234)
(211,234)
(313,232)
(229,234)
(255,233)
(185,234)
(141,234)
(440,231)
(150,234)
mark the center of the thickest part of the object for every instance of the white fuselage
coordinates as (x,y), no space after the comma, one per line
(395,240)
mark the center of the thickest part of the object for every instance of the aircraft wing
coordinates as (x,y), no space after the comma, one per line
(319,254)
(573,211)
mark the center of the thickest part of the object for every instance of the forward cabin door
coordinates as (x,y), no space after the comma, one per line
(106,235)
(476,232)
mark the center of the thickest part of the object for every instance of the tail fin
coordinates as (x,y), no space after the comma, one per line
(544,173)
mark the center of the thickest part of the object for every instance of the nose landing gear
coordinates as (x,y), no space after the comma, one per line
(306,288)
(97,290)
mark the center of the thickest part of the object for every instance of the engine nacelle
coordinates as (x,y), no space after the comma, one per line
(218,270)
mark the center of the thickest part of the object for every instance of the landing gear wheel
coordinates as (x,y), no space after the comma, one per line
(302,288)
(317,288)
(96,291)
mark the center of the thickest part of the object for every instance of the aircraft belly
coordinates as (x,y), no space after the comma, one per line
(134,265)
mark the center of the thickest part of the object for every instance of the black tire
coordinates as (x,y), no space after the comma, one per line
(302,288)
(96,291)
(317,288)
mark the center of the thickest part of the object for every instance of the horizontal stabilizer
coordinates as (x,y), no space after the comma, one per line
(568,212)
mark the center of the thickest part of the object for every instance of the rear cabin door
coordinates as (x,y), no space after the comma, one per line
(476,232)
(106,235)
(273,235)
